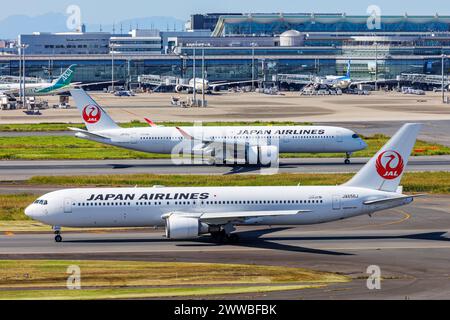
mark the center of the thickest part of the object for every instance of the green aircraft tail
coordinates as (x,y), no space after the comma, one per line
(66,78)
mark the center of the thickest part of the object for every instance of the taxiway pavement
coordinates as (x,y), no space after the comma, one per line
(411,245)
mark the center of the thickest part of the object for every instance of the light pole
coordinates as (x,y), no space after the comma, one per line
(23,47)
(442,87)
(203,77)
(376,66)
(19,50)
(253,65)
(111,46)
(129,74)
(194,75)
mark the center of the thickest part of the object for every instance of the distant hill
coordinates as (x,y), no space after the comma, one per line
(12,26)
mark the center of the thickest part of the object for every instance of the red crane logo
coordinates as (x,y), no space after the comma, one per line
(390,165)
(92,114)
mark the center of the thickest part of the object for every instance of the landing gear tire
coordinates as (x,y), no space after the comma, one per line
(58,237)
(223,238)
(347,158)
(233,238)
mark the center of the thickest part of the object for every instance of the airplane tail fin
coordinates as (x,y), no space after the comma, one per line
(348,69)
(94,116)
(66,77)
(385,170)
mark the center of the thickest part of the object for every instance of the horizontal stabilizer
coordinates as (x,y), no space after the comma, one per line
(387,200)
(89,134)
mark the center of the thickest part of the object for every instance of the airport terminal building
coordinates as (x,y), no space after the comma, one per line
(265,45)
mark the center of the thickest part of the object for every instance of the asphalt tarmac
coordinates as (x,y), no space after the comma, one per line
(23,170)
(411,246)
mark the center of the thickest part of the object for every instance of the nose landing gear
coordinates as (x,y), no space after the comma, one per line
(347,158)
(57,231)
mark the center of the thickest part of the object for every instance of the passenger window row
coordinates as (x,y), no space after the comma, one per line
(118,204)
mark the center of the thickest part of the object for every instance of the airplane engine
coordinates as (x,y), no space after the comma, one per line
(182,227)
(178,88)
(265,155)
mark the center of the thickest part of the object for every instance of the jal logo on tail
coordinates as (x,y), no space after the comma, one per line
(92,114)
(390,165)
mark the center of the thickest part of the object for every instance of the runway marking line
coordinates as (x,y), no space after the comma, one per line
(406,216)
(233,250)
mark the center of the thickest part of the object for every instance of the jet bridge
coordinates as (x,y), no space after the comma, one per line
(429,79)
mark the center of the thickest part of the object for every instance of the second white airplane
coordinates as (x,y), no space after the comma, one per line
(251,145)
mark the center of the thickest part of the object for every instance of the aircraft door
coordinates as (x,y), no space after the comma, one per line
(67,205)
(336,202)
(339,136)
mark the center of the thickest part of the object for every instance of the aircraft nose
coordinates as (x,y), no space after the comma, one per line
(33,212)
(364,145)
(30,212)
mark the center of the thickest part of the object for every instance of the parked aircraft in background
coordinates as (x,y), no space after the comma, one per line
(60,85)
(341,82)
(216,144)
(190,212)
(205,85)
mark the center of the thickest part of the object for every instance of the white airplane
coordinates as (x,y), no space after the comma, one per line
(204,84)
(59,85)
(341,82)
(190,212)
(216,144)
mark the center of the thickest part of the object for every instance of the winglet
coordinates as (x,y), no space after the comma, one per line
(185,134)
(150,122)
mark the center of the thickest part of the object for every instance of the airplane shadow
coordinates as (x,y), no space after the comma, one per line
(234,169)
(253,239)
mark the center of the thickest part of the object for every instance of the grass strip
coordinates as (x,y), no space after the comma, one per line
(72,148)
(32,279)
(143,293)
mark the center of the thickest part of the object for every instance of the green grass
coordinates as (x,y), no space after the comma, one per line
(71,148)
(430,182)
(127,279)
(144,293)
(42,127)
(12,206)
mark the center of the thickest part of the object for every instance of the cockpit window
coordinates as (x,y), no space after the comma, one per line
(41,202)
(355,136)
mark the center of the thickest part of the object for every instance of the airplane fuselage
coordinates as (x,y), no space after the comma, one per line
(34,89)
(301,139)
(143,207)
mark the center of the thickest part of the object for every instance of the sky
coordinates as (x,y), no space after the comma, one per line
(104,11)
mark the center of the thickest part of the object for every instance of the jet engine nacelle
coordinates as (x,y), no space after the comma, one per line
(182,227)
(262,155)
(179,88)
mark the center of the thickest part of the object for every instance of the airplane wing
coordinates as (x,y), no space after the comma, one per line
(220,218)
(185,86)
(387,200)
(206,145)
(151,123)
(87,133)
(81,85)
(220,84)
(381,81)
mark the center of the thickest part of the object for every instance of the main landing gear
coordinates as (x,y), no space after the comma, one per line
(58,237)
(347,158)
(222,237)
